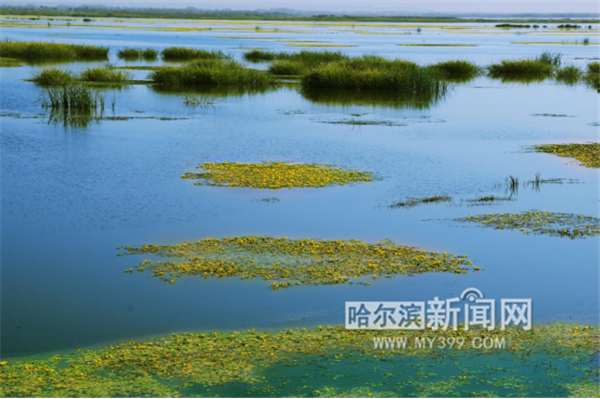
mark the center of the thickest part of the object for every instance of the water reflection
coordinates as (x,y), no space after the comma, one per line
(374,98)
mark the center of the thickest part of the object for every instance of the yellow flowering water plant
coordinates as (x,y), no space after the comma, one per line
(549,361)
(288,262)
(275,175)
(588,154)
(540,222)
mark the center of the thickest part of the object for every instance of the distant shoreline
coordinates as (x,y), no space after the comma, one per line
(172,13)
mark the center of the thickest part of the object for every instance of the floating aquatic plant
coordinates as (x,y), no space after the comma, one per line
(540,222)
(275,175)
(287,262)
(588,154)
(412,202)
(324,361)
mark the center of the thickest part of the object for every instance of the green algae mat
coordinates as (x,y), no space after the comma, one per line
(274,175)
(540,222)
(288,262)
(552,360)
(588,155)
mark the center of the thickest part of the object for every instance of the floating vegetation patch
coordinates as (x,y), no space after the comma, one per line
(364,122)
(212,72)
(186,54)
(412,202)
(436,45)
(555,360)
(133,53)
(555,115)
(6,62)
(40,51)
(588,155)
(199,101)
(512,26)
(287,262)
(275,175)
(487,200)
(540,222)
(568,75)
(534,70)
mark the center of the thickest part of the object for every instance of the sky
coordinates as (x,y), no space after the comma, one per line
(378,6)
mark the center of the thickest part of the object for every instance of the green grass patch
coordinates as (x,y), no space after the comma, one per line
(131,53)
(41,51)
(212,72)
(186,54)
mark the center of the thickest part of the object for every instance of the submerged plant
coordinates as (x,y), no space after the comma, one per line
(540,222)
(287,262)
(275,175)
(588,154)
(199,100)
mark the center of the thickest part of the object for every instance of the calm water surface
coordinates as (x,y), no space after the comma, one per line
(70,196)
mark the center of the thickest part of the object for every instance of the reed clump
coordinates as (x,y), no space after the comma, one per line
(186,54)
(131,53)
(105,74)
(457,70)
(569,74)
(41,51)
(306,57)
(73,98)
(528,70)
(375,73)
(593,75)
(212,72)
(54,77)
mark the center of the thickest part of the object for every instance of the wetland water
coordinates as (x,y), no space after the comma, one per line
(71,196)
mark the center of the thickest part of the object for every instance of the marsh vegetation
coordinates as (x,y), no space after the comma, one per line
(42,51)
